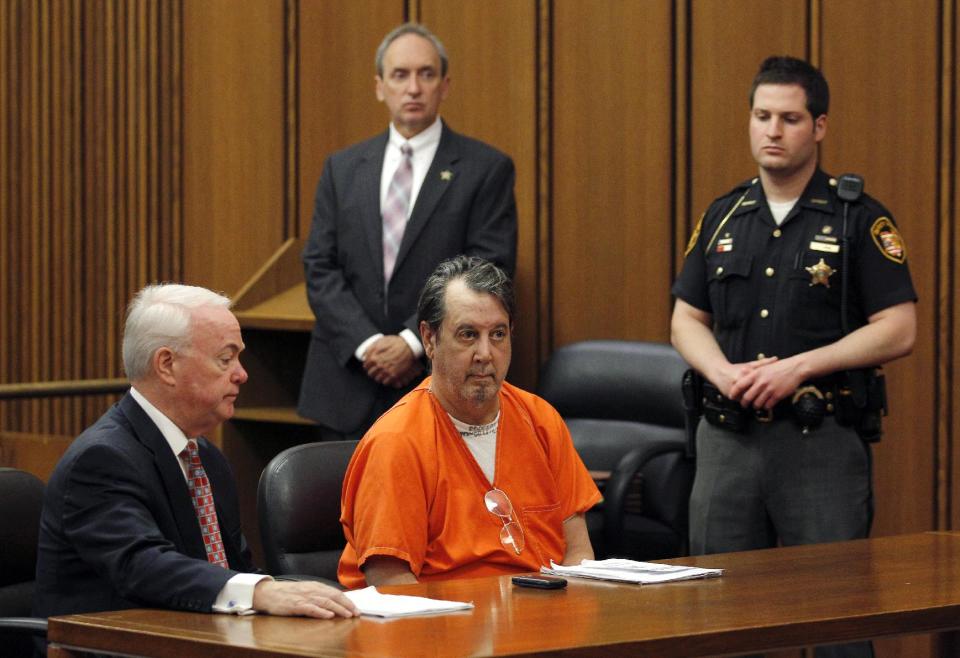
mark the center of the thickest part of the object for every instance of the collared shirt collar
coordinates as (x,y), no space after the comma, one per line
(817,195)
(426,138)
(175,437)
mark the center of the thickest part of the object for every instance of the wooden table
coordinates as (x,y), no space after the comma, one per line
(777,598)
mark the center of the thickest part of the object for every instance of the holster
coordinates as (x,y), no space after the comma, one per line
(862,403)
(692,387)
(721,413)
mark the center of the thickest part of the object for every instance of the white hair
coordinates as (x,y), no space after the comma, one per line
(159,316)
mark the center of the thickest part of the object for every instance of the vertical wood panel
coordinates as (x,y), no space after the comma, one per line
(612,167)
(891,139)
(950,359)
(81,209)
(234,154)
(894,146)
(729,39)
(493,97)
(338,106)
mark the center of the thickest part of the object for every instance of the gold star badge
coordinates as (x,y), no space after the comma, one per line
(820,273)
(446,174)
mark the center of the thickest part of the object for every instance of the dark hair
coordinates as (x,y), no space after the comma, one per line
(420,31)
(784,70)
(478,274)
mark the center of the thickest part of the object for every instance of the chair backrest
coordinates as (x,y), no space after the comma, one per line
(21,501)
(616,380)
(298,505)
(616,396)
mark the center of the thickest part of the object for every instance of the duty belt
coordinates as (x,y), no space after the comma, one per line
(807,406)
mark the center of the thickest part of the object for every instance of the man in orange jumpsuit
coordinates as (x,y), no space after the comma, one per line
(466,475)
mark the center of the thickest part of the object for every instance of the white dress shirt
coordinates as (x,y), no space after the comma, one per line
(424,145)
(236,597)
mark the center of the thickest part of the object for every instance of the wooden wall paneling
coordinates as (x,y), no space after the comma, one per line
(884,124)
(729,39)
(494,96)
(894,146)
(949,215)
(682,226)
(337,105)
(233,139)
(612,170)
(7,75)
(82,202)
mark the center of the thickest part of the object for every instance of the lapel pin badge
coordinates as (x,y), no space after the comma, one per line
(446,175)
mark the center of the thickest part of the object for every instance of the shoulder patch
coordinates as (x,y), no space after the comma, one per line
(691,243)
(887,238)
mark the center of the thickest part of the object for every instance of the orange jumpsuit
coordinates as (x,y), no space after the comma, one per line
(413,490)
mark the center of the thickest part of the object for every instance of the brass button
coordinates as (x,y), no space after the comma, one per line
(777,233)
(828,395)
(719,271)
(764,313)
(769,271)
(761,355)
(721,418)
(829,408)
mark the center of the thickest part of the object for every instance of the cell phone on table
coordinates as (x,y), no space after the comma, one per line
(540,582)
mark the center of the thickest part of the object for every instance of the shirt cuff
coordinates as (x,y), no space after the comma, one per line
(361,351)
(413,341)
(236,597)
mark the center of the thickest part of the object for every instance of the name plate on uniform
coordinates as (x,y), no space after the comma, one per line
(823,246)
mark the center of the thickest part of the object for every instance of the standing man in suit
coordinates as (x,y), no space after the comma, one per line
(142,511)
(387,211)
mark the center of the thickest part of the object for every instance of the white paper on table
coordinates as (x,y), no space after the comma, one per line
(371,602)
(630,571)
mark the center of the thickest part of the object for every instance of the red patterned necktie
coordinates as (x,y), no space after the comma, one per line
(202,496)
(395,210)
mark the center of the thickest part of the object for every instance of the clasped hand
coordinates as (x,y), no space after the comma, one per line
(760,384)
(390,362)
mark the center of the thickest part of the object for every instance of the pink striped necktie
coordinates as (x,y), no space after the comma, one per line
(395,210)
(202,496)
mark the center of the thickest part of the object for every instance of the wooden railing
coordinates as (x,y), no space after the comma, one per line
(62,388)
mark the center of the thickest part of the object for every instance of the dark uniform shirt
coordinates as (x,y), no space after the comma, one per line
(775,290)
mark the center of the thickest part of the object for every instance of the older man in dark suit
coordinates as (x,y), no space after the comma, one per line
(387,211)
(142,511)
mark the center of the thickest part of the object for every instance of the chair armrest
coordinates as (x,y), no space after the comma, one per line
(299,577)
(618,486)
(32,625)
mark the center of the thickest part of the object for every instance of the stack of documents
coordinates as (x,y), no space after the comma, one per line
(630,571)
(371,602)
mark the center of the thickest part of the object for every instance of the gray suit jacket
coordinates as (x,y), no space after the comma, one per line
(466,206)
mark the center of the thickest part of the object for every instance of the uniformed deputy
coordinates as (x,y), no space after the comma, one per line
(780,458)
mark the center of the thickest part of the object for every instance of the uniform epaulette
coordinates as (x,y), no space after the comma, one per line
(739,188)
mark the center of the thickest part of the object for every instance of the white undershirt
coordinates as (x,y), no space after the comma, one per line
(236,597)
(781,210)
(424,145)
(481,440)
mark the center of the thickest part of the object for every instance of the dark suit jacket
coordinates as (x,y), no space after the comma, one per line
(118,528)
(466,206)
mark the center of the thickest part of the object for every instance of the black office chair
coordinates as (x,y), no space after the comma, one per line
(621,401)
(21,501)
(298,505)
